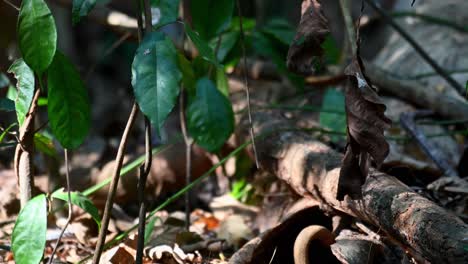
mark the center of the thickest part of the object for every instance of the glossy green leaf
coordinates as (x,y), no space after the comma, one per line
(333,115)
(210,119)
(25,88)
(211,17)
(5,132)
(68,105)
(164,11)
(81,8)
(37,35)
(81,201)
(29,234)
(45,145)
(156,77)
(206,52)
(228,42)
(7,105)
(4,81)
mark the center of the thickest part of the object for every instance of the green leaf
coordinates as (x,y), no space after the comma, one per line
(81,8)
(29,234)
(37,34)
(280,29)
(156,77)
(149,228)
(7,105)
(4,81)
(206,52)
(228,41)
(210,119)
(45,145)
(188,75)
(222,81)
(211,17)
(164,11)
(81,201)
(333,115)
(5,132)
(25,88)
(68,105)
(248,24)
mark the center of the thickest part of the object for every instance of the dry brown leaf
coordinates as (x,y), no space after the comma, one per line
(366,125)
(306,48)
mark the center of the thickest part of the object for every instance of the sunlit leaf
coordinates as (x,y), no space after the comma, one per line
(81,201)
(37,35)
(68,104)
(25,88)
(156,77)
(29,234)
(44,145)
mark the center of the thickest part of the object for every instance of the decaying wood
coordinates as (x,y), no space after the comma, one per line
(422,228)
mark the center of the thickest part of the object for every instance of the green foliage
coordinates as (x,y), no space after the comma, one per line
(280,29)
(5,132)
(228,42)
(206,52)
(68,105)
(188,75)
(164,11)
(222,82)
(29,234)
(81,8)
(25,88)
(333,115)
(211,17)
(156,77)
(332,52)
(81,201)
(45,145)
(37,34)
(210,119)
(149,228)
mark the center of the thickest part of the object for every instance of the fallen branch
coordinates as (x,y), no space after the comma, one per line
(425,230)
(442,102)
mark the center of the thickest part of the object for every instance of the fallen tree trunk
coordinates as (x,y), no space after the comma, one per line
(422,228)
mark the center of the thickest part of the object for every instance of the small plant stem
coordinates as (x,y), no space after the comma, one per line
(114,184)
(24,153)
(246,82)
(146,167)
(70,207)
(188,156)
(388,19)
(11,4)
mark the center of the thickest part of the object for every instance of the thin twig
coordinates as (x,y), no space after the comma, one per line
(188,141)
(67,176)
(388,19)
(146,167)
(114,184)
(12,5)
(188,155)
(246,83)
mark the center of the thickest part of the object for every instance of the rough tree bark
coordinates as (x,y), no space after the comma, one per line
(311,168)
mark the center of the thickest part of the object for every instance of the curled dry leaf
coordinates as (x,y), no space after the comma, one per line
(305,50)
(366,124)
